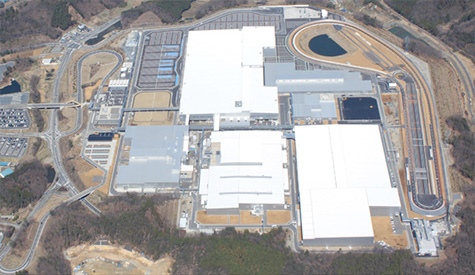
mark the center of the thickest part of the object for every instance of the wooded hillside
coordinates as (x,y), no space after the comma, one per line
(44,19)
(453,21)
(134,220)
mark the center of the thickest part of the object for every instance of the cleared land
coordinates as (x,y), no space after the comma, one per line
(203,218)
(87,177)
(152,99)
(278,216)
(108,259)
(67,119)
(90,89)
(247,218)
(96,67)
(383,232)
(244,217)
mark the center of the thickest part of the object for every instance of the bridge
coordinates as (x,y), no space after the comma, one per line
(151,109)
(50,106)
(80,195)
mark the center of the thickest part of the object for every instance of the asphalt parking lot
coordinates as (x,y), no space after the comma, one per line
(13,147)
(11,118)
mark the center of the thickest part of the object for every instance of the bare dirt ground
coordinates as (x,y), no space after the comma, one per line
(90,89)
(96,67)
(152,99)
(204,218)
(148,19)
(247,218)
(75,165)
(383,232)
(152,118)
(108,259)
(87,176)
(67,119)
(278,216)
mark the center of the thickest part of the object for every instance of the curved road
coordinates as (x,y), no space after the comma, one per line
(420,82)
(52,136)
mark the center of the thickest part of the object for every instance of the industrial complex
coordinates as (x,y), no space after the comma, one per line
(263,129)
(282,119)
(256,118)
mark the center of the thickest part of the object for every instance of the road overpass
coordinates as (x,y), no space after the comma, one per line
(52,106)
(151,109)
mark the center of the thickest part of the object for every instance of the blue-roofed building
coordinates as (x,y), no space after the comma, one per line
(6,172)
(4,163)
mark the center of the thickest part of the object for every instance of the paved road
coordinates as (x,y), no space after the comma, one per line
(52,137)
(5,223)
(417,120)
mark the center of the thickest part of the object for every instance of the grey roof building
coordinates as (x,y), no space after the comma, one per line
(154,158)
(289,80)
(316,106)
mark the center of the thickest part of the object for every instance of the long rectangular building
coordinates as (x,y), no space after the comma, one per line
(223,76)
(246,168)
(343,180)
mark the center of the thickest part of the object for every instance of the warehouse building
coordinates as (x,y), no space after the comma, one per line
(223,77)
(343,180)
(313,106)
(153,157)
(245,168)
(287,79)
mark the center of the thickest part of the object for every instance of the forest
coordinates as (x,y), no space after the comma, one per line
(453,21)
(168,11)
(26,185)
(134,220)
(463,144)
(45,18)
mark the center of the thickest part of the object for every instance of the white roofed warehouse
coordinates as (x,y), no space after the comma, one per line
(246,168)
(343,180)
(223,77)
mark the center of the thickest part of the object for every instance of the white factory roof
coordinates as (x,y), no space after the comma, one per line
(224,72)
(248,170)
(341,156)
(347,165)
(119,83)
(335,213)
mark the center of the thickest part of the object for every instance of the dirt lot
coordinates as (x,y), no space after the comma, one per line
(152,99)
(108,259)
(204,218)
(96,67)
(67,119)
(278,216)
(75,165)
(383,232)
(87,177)
(247,218)
(90,89)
